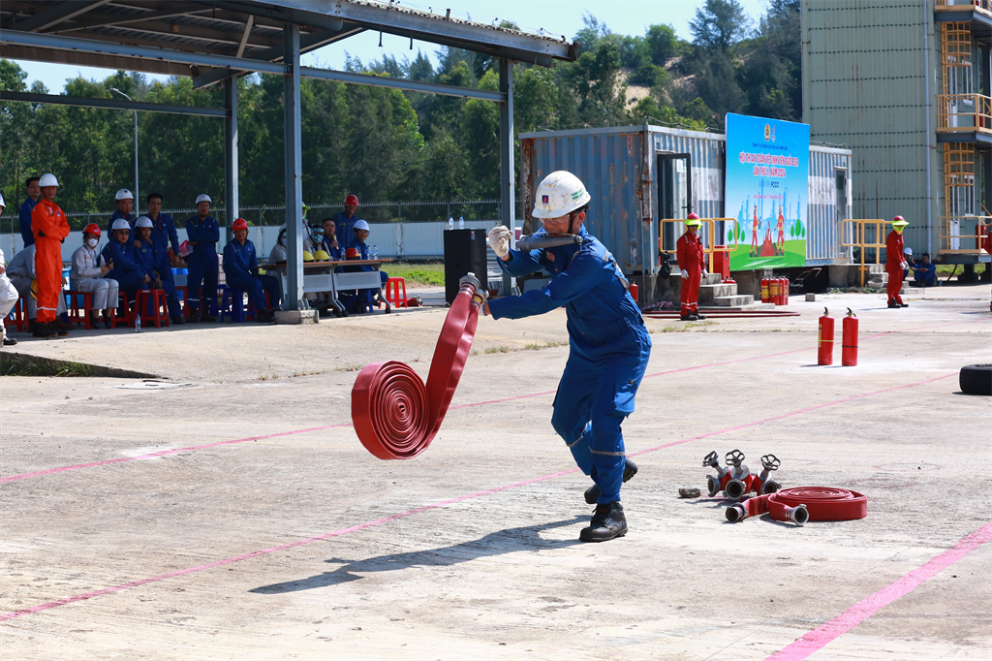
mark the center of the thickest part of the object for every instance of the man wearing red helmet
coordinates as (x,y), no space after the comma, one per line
(88,275)
(895,262)
(241,269)
(689,253)
(344,221)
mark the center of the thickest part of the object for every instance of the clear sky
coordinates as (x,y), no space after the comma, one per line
(556,16)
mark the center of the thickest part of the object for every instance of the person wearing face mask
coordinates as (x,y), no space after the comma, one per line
(88,276)
(895,262)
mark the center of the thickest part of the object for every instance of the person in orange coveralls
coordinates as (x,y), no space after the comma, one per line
(689,253)
(50,227)
(895,262)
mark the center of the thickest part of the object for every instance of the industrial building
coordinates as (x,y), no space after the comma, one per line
(905,86)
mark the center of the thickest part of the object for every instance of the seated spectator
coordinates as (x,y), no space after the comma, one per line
(8,293)
(910,264)
(330,242)
(21,272)
(125,202)
(154,261)
(359,301)
(88,271)
(278,254)
(241,269)
(204,233)
(122,257)
(925,273)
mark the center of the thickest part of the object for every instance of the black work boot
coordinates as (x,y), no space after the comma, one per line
(629,471)
(608,522)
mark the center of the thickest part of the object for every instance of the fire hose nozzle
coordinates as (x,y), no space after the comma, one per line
(736,513)
(735,489)
(771,486)
(469,279)
(799,515)
(712,485)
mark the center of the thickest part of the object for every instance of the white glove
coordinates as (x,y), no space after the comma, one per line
(904,266)
(499,241)
(705,273)
(685,274)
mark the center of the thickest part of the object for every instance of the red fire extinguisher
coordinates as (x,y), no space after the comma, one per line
(849,342)
(785,291)
(773,291)
(825,343)
(764,290)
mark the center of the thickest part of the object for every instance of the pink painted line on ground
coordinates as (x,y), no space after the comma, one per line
(394,517)
(859,612)
(282,547)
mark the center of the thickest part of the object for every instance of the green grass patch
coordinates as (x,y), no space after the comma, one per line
(549,345)
(429,274)
(499,349)
(12,364)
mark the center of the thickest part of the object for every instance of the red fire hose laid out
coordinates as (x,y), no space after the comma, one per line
(802,504)
(395,415)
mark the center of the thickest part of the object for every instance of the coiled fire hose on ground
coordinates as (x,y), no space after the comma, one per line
(394,413)
(802,504)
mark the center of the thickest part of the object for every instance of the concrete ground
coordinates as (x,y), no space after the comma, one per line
(228,511)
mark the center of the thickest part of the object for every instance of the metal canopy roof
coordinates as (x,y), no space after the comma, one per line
(48,30)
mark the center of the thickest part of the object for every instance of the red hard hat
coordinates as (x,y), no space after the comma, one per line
(92,228)
(898,218)
(351,199)
(692,216)
(239,224)
(351,253)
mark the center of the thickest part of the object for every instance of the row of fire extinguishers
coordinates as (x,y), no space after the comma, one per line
(849,341)
(775,290)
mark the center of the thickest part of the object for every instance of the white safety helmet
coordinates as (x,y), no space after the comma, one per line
(144,221)
(203,198)
(908,251)
(123,194)
(48,179)
(2,203)
(559,194)
(121,224)
(360,225)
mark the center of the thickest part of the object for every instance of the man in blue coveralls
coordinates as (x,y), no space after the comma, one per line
(163,227)
(34,194)
(345,221)
(122,257)
(154,261)
(203,233)
(241,269)
(609,345)
(125,203)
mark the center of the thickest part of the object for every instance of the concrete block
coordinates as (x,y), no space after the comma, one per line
(296,317)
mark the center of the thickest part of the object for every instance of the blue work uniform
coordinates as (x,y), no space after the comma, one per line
(336,252)
(241,267)
(25,218)
(925,275)
(127,270)
(343,226)
(202,260)
(154,261)
(361,299)
(609,350)
(164,233)
(126,216)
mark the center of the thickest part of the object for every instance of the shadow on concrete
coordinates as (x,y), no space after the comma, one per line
(501,542)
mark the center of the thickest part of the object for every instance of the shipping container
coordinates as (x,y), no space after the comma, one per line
(640,174)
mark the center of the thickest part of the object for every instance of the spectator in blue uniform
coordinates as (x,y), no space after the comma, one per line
(360,300)
(345,220)
(163,227)
(122,257)
(330,243)
(154,262)
(925,272)
(203,233)
(609,345)
(241,269)
(125,202)
(34,192)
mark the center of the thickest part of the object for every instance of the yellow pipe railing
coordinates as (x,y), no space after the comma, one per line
(964,112)
(963,235)
(711,226)
(861,228)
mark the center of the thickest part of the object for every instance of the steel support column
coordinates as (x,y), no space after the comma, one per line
(508,204)
(294,168)
(231,150)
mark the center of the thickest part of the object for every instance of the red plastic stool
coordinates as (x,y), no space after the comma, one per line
(156,298)
(393,288)
(77,316)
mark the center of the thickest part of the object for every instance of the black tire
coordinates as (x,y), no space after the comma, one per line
(976,379)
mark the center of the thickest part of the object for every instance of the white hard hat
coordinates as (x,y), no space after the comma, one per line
(144,221)
(908,251)
(559,194)
(121,224)
(203,198)
(2,203)
(361,225)
(48,179)
(123,194)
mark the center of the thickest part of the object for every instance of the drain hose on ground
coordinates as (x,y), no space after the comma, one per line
(395,415)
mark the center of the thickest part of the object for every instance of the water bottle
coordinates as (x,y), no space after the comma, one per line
(375,251)
(461,223)
(137,323)
(451,223)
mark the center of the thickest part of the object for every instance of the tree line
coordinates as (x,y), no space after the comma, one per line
(385,144)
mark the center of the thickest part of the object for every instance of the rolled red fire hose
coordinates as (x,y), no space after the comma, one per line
(395,414)
(802,504)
